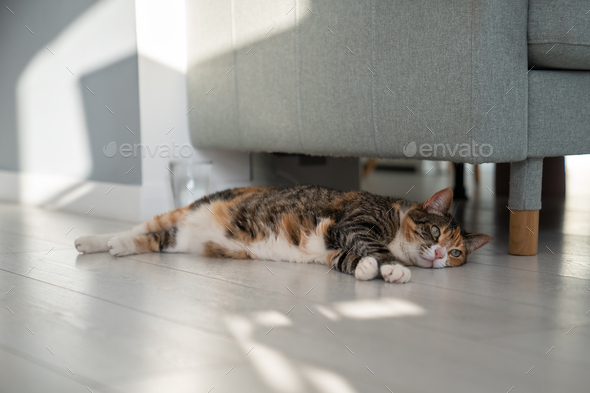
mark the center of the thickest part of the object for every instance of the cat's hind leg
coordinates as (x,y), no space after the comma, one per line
(98,243)
(140,244)
(95,243)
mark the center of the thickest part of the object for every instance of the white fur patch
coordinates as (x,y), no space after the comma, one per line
(396,273)
(367,269)
(121,245)
(312,249)
(430,253)
(399,248)
(196,229)
(98,243)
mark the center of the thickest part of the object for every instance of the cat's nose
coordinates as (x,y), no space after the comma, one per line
(440,252)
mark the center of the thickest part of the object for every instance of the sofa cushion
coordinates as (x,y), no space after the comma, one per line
(559,115)
(559,34)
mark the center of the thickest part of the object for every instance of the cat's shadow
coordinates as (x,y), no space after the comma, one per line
(94,259)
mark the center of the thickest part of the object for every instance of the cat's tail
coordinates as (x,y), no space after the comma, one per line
(161,223)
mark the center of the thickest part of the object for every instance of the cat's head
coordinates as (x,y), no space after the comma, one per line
(433,239)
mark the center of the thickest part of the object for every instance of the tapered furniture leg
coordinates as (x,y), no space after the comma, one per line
(524,232)
(524,204)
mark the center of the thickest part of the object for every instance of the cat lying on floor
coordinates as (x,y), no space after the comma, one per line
(354,232)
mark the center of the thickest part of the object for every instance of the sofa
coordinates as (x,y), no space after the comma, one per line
(470,81)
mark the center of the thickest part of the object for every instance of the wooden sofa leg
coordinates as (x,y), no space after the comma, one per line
(524,232)
(524,203)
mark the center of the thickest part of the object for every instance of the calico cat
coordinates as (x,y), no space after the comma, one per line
(354,232)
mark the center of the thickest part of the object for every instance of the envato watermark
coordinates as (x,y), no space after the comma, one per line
(464,150)
(164,150)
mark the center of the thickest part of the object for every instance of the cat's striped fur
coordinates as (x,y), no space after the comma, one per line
(354,232)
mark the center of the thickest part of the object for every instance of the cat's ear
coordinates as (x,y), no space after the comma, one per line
(440,202)
(473,241)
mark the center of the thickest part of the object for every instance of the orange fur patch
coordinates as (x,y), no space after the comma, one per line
(292,228)
(344,199)
(215,250)
(223,213)
(453,241)
(145,244)
(166,220)
(408,228)
(223,217)
(333,255)
(322,227)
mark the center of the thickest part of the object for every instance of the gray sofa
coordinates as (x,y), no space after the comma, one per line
(457,80)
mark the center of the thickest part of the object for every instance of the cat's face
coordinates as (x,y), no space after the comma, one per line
(433,239)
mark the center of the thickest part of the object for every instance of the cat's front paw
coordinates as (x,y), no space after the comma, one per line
(396,273)
(121,245)
(88,244)
(367,269)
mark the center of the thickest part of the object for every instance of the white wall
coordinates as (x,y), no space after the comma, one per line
(124,83)
(161,41)
(63,63)
(50,51)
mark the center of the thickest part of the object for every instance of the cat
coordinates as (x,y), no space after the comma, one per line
(354,232)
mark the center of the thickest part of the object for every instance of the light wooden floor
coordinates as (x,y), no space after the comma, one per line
(181,323)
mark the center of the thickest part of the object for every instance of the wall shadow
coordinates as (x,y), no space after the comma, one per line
(117,87)
(17,47)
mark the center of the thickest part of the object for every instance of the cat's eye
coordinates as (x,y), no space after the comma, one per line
(455,253)
(435,231)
